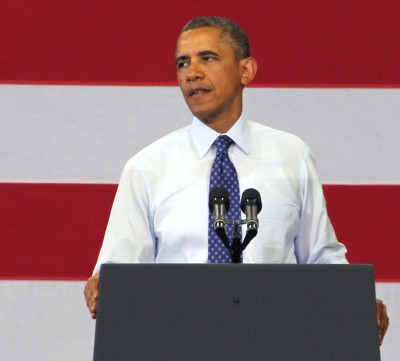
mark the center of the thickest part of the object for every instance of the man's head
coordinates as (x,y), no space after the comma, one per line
(213,66)
(231,32)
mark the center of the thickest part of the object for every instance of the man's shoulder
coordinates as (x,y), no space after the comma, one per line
(268,135)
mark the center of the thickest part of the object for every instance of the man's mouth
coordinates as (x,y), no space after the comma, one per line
(197,91)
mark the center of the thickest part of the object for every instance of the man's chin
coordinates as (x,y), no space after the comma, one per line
(203,113)
(204,117)
(200,113)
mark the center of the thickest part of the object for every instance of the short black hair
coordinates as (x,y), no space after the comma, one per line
(235,35)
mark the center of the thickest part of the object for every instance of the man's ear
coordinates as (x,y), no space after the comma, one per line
(249,70)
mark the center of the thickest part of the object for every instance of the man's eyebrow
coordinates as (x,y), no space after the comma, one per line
(207,52)
(200,53)
(181,58)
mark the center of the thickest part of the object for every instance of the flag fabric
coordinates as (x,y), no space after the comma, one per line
(85,86)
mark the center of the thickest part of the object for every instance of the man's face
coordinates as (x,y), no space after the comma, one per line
(209,76)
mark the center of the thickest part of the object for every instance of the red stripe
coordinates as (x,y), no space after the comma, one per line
(132,42)
(367,219)
(54,231)
(50,279)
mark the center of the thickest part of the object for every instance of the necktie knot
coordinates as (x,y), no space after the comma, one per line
(222,143)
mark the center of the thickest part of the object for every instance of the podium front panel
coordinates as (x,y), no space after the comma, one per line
(236,312)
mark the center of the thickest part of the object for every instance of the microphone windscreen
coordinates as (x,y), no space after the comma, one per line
(218,194)
(251,194)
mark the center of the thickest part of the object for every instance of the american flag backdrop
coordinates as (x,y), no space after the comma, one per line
(84,85)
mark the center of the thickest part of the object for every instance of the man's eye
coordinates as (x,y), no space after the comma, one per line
(182,64)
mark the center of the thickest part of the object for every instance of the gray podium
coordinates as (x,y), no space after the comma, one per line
(236,312)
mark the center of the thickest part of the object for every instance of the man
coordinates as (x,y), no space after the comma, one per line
(160,213)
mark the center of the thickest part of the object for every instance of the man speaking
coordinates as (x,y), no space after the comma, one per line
(161,210)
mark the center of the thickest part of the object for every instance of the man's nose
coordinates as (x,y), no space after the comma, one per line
(194,72)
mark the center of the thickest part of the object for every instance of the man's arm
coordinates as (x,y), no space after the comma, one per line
(316,242)
(128,237)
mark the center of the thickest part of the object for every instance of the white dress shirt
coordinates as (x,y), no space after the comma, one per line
(160,211)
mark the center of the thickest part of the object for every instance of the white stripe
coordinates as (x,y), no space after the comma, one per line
(45,320)
(87,133)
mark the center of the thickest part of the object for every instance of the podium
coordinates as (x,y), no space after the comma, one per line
(236,312)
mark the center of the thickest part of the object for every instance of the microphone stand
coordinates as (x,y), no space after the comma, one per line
(236,247)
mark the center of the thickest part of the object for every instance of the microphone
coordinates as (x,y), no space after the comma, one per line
(218,203)
(251,206)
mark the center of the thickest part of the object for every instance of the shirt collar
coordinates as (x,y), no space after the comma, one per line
(203,136)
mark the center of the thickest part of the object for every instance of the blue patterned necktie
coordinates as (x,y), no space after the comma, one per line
(223,174)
